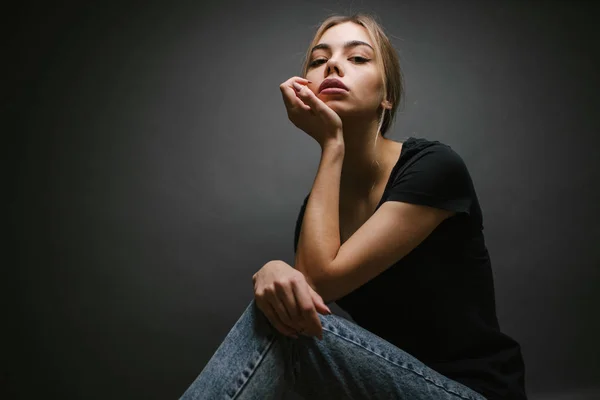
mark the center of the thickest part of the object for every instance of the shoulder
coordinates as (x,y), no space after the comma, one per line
(432,174)
(427,146)
(431,156)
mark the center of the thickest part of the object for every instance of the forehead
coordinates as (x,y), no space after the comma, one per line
(338,34)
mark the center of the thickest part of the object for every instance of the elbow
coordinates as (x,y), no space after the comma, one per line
(321,283)
(316,279)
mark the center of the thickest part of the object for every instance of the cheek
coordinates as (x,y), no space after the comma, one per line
(370,93)
(371,85)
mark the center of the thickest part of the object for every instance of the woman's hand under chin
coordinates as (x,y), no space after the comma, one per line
(310,114)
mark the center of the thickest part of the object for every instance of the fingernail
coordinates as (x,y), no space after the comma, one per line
(328,310)
(297,86)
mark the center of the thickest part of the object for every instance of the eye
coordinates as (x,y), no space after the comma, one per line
(359,60)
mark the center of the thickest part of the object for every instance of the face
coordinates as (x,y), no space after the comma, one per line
(355,66)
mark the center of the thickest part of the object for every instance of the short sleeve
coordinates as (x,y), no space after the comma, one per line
(437,178)
(299,223)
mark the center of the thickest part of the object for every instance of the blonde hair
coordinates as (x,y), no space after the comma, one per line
(386,58)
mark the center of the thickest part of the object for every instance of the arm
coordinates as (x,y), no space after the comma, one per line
(391,233)
(319,239)
(435,188)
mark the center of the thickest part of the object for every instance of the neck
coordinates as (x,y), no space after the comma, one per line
(366,156)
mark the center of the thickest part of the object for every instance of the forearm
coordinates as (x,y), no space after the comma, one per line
(319,240)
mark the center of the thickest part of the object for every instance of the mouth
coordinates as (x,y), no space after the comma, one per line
(328,85)
(333,90)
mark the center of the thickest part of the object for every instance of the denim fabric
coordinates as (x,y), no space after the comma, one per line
(257,362)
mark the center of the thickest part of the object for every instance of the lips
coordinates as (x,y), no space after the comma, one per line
(332,83)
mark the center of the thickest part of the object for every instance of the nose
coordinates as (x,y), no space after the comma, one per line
(332,65)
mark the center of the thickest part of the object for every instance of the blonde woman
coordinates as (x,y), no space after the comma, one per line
(392,232)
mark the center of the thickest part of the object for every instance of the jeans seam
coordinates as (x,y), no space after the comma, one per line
(403,367)
(256,365)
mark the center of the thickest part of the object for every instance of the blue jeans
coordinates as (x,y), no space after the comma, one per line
(256,361)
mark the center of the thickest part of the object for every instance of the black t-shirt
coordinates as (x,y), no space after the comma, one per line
(438,302)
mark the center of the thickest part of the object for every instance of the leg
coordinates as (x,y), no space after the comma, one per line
(251,363)
(353,363)
(255,361)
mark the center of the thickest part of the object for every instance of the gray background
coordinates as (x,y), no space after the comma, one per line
(151,170)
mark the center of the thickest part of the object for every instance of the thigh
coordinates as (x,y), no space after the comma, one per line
(353,363)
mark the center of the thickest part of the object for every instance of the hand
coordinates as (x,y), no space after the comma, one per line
(309,113)
(287,300)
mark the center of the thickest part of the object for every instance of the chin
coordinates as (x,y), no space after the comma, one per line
(341,109)
(336,104)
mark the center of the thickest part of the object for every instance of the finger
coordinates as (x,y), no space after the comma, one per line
(291,99)
(308,97)
(266,307)
(287,297)
(278,324)
(297,79)
(319,303)
(271,315)
(285,305)
(312,323)
(279,309)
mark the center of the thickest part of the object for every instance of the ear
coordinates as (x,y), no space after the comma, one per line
(386,104)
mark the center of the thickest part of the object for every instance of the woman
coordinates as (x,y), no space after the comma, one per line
(392,232)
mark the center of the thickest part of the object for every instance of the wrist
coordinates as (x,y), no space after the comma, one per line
(334,142)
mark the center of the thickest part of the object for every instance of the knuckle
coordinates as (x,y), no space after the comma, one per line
(280,283)
(306,309)
(269,289)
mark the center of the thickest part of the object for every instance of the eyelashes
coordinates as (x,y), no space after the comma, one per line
(360,60)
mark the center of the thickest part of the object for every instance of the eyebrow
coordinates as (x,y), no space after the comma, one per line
(347,45)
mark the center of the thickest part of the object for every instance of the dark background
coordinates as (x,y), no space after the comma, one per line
(151,170)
